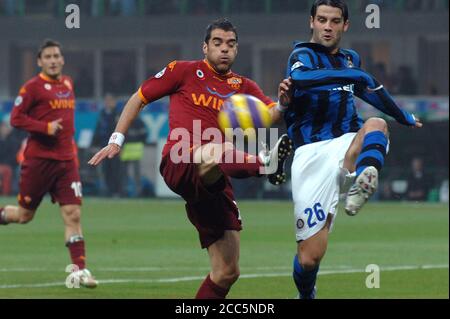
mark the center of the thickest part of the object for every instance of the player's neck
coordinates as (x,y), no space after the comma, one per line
(331,50)
(50,78)
(212,68)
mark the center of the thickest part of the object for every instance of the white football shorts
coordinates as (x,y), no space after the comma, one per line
(317,180)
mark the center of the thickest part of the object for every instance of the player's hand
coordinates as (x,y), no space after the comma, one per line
(285,92)
(108,151)
(419,123)
(54,127)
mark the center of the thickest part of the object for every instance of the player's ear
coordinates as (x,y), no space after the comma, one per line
(311,22)
(346,25)
(205,48)
(39,63)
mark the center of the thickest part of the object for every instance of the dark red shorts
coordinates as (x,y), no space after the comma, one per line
(40,176)
(212,210)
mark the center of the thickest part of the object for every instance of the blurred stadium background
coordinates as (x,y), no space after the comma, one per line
(122,42)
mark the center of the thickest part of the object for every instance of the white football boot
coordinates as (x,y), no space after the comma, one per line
(365,186)
(85,278)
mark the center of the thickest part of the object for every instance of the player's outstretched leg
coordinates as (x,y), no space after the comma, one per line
(365,185)
(238,164)
(15,215)
(275,159)
(3,220)
(369,162)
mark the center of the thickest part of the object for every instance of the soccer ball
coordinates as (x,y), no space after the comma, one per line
(244,112)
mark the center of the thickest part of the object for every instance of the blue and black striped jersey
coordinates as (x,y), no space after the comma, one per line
(325,84)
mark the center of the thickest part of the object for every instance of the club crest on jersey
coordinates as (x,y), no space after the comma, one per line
(200,74)
(47,86)
(18,101)
(235,83)
(349,62)
(160,74)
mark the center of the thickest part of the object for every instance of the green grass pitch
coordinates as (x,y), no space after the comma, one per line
(148,249)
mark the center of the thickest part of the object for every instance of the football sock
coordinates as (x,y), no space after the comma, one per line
(3,220)
(373,151)
(209,290)
(304,280)
(239,164)
(77,251)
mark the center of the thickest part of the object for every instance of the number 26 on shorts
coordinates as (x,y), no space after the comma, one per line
(316,210)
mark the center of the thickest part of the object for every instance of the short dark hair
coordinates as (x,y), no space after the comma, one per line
(340,4)
(223,24)
(47,44)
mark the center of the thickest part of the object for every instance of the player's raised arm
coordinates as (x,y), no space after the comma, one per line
(129,113)
(304,78)
(382,100)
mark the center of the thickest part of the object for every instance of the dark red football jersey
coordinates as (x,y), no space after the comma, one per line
(197,92)
(42,100)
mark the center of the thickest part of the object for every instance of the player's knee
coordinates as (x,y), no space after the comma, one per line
(228,275)
(25,218)
(376,124)
(310,262)
(72,215)
(212,154)
(208,159)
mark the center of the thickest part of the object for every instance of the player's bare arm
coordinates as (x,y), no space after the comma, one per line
(419,123)
(129,113)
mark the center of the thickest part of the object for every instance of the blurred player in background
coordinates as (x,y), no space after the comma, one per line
(334,147)
(45,109)
(197,89)
(106,122)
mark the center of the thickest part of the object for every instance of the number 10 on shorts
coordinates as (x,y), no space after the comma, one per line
(317,211)
(76,186)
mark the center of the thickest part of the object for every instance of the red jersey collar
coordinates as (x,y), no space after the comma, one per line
(48,79)
(215,72)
